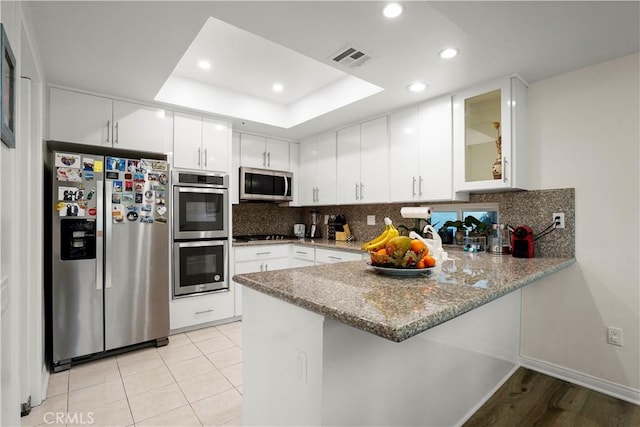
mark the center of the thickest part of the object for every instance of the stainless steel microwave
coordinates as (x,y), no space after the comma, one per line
(265,185)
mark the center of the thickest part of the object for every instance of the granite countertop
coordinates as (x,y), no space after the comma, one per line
(398,308)
(318,243)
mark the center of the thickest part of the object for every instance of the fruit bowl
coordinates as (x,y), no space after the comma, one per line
(402,271)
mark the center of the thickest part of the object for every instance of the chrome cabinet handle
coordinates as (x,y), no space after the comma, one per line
(335,257)
(268,159)
(420,186)
(504,169)
(264,158)
(199,156)
(108,129)
(117,134)
(205,311)
(413,188)
(263,253)
(356,191)
(302,253)
(261,267)
(266,267)
(361,191)
(205,157)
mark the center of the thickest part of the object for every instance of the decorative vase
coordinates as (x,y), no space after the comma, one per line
(496,169)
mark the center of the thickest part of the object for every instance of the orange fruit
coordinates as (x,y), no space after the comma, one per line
(382,251)
(420,264)
(429,261)
(417,245)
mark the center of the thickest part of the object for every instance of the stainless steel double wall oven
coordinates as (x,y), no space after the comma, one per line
(200,232)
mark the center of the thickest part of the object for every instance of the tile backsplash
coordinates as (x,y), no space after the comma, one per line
(532,208)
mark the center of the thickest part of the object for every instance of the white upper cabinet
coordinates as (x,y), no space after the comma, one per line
(489,132)
(317,177)
(201,143)
(362,163)
(261,152)
(94,120)
(421,153)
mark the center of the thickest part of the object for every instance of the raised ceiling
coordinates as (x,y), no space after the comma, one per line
(129,49)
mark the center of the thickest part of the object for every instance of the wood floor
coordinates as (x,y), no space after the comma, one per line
(530,398)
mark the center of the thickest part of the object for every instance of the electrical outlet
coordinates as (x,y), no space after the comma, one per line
(371,220)
(560,221)
(614,335)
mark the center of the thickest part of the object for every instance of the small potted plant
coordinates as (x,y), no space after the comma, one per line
(473,225)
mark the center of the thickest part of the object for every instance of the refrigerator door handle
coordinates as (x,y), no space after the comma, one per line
(108,217)
(99,234)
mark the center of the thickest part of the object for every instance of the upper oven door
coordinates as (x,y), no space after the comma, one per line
(200,213)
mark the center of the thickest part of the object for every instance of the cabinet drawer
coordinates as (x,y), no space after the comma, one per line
(304,253)
(201,309)
(326,256)
(261,252)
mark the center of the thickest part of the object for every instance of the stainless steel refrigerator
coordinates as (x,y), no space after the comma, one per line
(109,284)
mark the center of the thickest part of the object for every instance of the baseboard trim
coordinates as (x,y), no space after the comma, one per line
(609,388)
(486,397)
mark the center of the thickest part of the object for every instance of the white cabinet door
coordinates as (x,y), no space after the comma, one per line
(277,154)
(234,176)
(307,177)
(216,145)
(374,162)
(294,168)
(348,164)
(187,141)
(141,127)
(436,151)
(326,169)
(80,118)
(479,114)
(253,151)
(404,173)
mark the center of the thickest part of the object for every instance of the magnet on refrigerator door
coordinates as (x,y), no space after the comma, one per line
(163,178)
(70,194)
(87,164)
(128,176)
(153,176)
(128,198)
(132,216)
(112,163)
(122,165)
(132,165)
(88,176)
(146,208)
(161,219)
(92,211)
(67,160)
(138,177)
(138,198)
(161,210)
(117,213)
(97,165)
(91,193)
(112,175)
(117,186)
(128,186)
(146,219)
(68,175)
(71,209)
(116,198)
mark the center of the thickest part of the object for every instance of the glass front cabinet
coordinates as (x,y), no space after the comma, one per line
(490,136)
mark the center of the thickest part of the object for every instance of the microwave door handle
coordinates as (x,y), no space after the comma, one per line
(286,185)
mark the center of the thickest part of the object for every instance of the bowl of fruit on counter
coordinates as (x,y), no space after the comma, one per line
(397,255)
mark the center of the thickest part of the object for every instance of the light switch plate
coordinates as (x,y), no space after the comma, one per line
(371,220)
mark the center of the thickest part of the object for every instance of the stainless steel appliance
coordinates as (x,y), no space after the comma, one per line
(265,185)
(109,244)
(200,232)
(200,205)
(200,266)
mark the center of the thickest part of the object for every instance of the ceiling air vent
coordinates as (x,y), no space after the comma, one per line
(351,57)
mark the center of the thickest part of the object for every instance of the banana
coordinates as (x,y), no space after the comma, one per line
(380,237)
(393,232)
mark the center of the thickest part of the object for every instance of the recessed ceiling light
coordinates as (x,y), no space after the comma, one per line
(392,10)
(277,87)
(205,65)
(448,53)
(417,86)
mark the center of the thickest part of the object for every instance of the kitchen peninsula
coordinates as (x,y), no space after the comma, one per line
(342,344)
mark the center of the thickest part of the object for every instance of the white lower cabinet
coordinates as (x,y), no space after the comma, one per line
(191,311)
(256,259)
(329,256)
(302,256)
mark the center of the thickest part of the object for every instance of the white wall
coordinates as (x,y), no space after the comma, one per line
(584,133)
(23,372)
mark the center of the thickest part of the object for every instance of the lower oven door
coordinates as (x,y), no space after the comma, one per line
(200,267)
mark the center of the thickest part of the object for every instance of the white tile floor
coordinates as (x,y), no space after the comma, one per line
(196,380)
